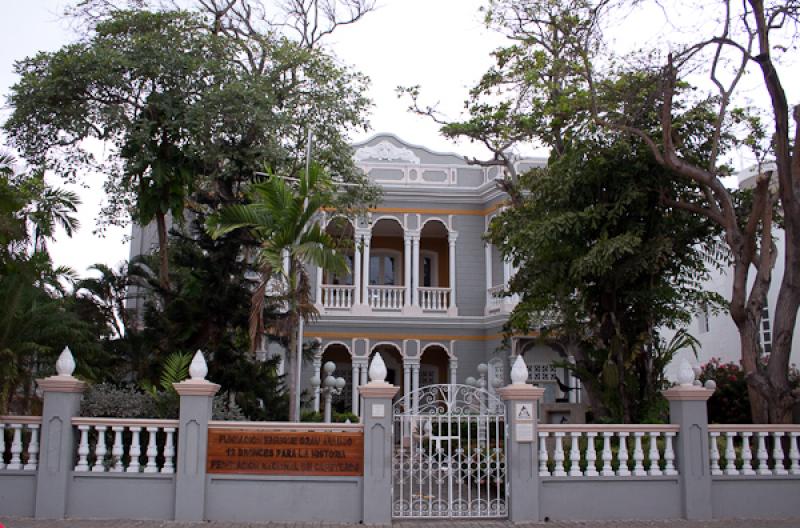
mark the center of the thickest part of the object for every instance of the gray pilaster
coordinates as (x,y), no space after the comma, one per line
(688,409)
(522,452)
(190,475)
(377,419)
(62,401)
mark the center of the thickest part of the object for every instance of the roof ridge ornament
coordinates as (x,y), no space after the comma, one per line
(386,151)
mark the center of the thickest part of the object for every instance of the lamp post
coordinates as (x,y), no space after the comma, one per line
(330,386)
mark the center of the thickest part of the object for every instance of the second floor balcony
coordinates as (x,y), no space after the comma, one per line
(392,270)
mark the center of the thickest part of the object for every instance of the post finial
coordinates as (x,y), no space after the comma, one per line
(519,372)
(198,367)
(65,365)
(686,374)
(377,369)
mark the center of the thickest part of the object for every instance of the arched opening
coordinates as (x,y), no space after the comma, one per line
(338,290)
(341,230)
(434,267)
(386,273)
(394,362)
(433,366)
(340,355)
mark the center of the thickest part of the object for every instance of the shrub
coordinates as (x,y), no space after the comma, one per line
(109,401)
(730,403)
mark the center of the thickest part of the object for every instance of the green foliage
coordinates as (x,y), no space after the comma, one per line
(110,401)
(597,245)
(37,317)
(730,403)
(336,417)
(282,220)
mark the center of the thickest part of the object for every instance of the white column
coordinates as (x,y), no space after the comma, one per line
(451,240)
(406,379)
(407,268)
(354,389)
(506,272)
(365,268)
(364,381)
(357,269)
(415,385)
(317,364)
(488,256)
(453,371)
(415,269)
(318,287)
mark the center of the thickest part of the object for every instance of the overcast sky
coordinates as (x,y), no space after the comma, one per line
(439,44)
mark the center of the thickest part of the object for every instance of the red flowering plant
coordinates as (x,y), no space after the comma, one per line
(730,403)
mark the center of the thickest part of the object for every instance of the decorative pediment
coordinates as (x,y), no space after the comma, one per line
(386,151)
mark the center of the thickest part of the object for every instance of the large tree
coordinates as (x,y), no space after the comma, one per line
(188,104)
(603,265)
(560,73)
(283,220)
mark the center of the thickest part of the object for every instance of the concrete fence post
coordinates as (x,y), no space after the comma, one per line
(196,398)
(377,419)
(688,409)
(62,401)
(522,455)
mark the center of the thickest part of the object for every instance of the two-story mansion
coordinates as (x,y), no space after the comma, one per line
(424,284)
(425,287)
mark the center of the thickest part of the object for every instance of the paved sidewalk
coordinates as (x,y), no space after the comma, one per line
(728,523)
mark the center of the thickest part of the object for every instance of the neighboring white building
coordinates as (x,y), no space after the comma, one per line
(717,334)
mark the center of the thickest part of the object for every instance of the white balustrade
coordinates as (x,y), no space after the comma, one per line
(543,471)
(338,297)
(775,448)
(651,445)
(126,437)
(494,297)
(23,449)
(386,297)
(434,299)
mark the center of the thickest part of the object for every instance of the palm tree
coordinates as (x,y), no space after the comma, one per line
(281,219)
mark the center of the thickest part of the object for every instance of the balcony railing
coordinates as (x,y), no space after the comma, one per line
(494,299)
(341,297)
(434,299)
(386,297)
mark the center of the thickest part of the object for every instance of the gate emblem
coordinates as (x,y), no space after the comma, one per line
(449,454)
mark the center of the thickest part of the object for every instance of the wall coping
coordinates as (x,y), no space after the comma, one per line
(196,388)
(59,383)
(521,391)
(687,393)
(376,389)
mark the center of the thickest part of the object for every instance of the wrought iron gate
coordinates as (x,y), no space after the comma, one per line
(449,454)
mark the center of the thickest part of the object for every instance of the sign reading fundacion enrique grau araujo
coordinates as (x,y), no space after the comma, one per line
(285,452)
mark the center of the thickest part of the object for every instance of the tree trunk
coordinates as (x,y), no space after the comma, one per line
(749,344)
(781,399)
(163,251)
(290,375)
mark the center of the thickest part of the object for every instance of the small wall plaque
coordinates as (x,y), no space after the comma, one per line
(378,410)
(524,432)
(523,412)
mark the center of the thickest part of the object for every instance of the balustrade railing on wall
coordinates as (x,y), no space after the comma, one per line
(21,452)
(607,450)
(338,297)
(119,445)
(434,299)
(754,450)
(386,297)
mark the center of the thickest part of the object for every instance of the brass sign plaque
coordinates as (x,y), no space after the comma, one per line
(245,451)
